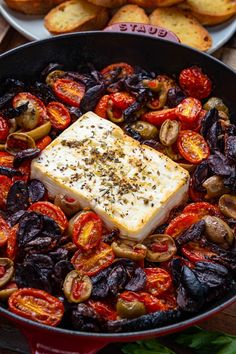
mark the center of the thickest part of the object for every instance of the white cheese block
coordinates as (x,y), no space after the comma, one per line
(131,186)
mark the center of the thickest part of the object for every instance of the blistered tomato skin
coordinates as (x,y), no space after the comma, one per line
(192,146)
(59,115)
(188,110)
(195,83)
(69,91)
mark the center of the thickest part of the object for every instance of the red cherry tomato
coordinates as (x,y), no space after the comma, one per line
(43,142)
(92,263)
(103,310)
(192,146)
(4,128)
(36,113)
(194,195)
(196,125)
(181,223)
(87,231)
(120,70)
(58,115)
(36,305)
(4,232)
(188,110)
(122,100)
(6,160)
(195,253)
(202,208)
(5,185)
(158,117)
(195,83)
(51,210)
(69,91)
(12,243)
(158,281)
(25,170)
(151,303)
(101,107)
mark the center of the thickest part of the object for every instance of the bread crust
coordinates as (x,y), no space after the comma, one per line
(155,3)
(130,13)
(29,7)
(108,3)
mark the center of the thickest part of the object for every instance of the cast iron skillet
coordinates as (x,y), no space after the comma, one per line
(101,49)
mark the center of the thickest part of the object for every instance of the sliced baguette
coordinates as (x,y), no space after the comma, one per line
(130,13)
(108,3)
(31,7)
(184,25)
(76,15)
(209,15)
(154,3)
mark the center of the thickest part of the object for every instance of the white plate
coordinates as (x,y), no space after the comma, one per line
(32,27)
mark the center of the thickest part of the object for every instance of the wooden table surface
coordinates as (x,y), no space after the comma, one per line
(11,341)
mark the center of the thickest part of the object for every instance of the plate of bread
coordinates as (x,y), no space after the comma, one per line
(203,24)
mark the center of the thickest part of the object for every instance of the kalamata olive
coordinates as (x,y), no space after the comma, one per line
(214,186)
(17,142)
(6,270)
(218,231)
(68,205)
(146,130)
(216,102)
(129,249)
(40,131)
(8,289)
(160,247)
(227,205)
(77,287)
(169,132)
(175,96)
(130,309)
(54,76)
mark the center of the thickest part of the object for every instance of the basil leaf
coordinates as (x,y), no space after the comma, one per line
(146,347)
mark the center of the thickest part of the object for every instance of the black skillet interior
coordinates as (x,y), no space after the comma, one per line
(101,49)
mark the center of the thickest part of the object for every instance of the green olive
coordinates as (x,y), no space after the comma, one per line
(115,118)
(129,249)
(133,309)
(17,142)
(72,222)
(77,287)
(173,155)
(216,102)
(214,186)
(69,206)
(145,129)
(8,267)
(2,147)
(223,116)
(40,131)
(13,125)
(160,247)
(9,289)
(218,231)
(227,205)
(169,132)
(54,76)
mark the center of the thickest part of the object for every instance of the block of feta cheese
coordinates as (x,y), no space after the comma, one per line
(131,186)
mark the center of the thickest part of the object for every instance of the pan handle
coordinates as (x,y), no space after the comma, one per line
(142,29)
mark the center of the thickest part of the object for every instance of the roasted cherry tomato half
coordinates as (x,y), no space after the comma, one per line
(4,129)
(36,305)
(195,83)
(25,170)
(202,208)
(181,223)
(69,91)
(122,100)
(194,195)
(118,70)
(52,211)
(87,231)
(5,185)
(192,146)
(188,110)
(105,311)
(77,287)
(34,115)
(195,253)
(12,243)
(158,117)
(92,263)
(158,281)
(101,107)
(58,115)
(43,142)
(6,270)
(6,160)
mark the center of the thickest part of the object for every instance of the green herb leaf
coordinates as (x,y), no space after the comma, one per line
(146,347)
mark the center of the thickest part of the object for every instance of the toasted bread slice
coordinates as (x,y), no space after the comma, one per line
(31,7)
(154,3)
(76,15)
(130,13)
(184,25)
(108,3)
(213,8)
